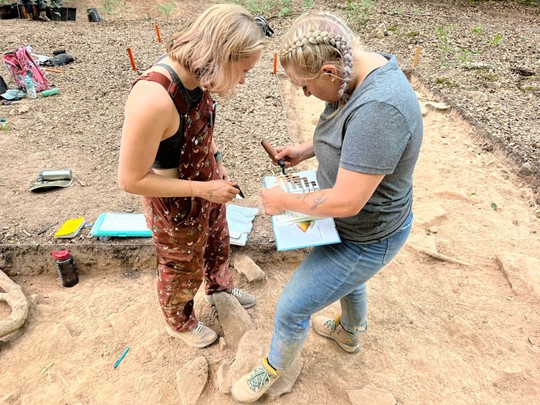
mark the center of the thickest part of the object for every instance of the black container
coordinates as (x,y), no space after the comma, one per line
(62,13)
(65,267)
(93,15)
(71,13)
(8,11)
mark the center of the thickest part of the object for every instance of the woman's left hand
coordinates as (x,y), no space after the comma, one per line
(272,200)
(222,172)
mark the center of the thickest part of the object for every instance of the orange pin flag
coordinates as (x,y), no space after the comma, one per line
(275,63)
(130,54)
(416,57)
(158,34)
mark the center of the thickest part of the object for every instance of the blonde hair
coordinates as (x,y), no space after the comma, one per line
(315,40)
(219,37)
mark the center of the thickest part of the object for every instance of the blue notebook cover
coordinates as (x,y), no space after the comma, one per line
(292,229)
(121,225)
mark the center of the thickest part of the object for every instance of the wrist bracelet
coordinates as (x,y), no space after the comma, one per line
(218,156)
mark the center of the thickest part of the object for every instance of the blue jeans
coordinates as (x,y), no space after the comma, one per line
(329,273)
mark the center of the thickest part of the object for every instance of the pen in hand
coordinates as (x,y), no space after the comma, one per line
(238,188)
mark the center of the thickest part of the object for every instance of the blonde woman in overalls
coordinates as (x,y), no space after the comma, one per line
(169,157)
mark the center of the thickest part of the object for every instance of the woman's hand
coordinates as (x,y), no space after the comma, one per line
(216,191)
(222,172)
(292,155)
(272,200)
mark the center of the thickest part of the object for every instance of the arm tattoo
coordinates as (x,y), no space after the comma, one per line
(317,200)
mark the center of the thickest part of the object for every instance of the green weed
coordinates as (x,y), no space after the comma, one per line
(166,8)
(359,11)
(111,7)
(445,81)
(478,29)
(308,4)
(497,40)
(285,8)
(256,7)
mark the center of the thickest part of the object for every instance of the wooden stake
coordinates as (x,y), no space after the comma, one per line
(416,57)
(157,33)
(52,70)
(275,63)
(133,66)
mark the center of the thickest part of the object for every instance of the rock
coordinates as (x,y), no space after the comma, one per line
(233,318)
(191,380)
(252,348)
(522,274)
(371,394)
(525,170)
(437,106)
(477,66)
(463,335)
(287,379)
(430,217)
(222,343)
(246,266)
(222,378)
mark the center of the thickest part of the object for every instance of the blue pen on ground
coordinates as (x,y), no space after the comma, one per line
(121,357)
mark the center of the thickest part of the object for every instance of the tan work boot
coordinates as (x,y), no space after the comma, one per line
(199,337)
(245,299)
(252,386)
(332,329)
(43,16)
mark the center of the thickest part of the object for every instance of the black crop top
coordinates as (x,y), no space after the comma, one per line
(168,154)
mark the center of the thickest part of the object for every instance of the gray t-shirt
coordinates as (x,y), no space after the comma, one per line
(378,131)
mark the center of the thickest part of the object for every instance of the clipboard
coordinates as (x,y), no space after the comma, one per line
(120,225)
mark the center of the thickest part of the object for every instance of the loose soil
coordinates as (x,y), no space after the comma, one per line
(453,319)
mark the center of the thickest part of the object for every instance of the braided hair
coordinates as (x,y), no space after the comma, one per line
(315,40)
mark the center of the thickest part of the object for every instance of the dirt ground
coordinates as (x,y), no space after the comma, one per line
(453,319)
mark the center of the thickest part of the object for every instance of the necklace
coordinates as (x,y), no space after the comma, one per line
(193,97)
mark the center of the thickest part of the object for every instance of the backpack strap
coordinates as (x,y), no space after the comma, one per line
(171,87)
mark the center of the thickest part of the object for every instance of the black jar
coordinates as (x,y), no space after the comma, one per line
(66,268)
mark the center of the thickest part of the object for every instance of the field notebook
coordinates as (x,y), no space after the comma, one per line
(292,229)
(70,228)
(121,225)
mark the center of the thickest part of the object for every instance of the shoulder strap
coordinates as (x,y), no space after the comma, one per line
(171,88)
(173,74)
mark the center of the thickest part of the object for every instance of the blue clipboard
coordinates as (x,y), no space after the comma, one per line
(120,225)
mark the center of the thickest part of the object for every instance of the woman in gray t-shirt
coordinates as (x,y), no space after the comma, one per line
(366,142)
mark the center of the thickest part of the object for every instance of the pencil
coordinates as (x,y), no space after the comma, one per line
(121,357)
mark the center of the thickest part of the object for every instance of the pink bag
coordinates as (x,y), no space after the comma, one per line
(20,64)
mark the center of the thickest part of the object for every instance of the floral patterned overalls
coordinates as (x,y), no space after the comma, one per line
(190,234)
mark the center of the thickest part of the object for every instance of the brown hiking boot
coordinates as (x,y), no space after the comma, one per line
(332,329)
(43,16)
(252,386)
(199,337)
